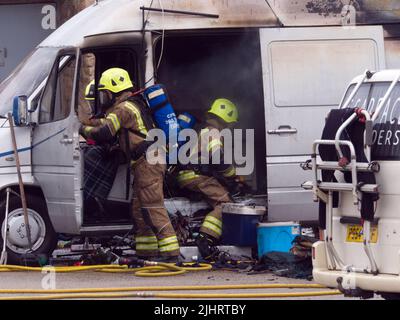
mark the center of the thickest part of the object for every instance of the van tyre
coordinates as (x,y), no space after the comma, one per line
(44,238)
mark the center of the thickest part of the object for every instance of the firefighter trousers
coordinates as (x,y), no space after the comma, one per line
(155,235)
(215,194)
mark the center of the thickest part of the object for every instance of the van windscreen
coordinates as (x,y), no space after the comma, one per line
(26,77)
(386,133)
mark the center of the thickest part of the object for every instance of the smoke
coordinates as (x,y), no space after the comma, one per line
(325,7)
(199,68)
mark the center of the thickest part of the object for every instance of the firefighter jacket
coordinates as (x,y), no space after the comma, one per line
(210,145)
(125,120)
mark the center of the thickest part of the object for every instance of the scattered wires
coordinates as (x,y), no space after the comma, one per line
(148,14)
(145,22)
(162,35)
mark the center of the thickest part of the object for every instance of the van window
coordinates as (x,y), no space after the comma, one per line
(369,96)
(26,77)
(386,133)
(56,99)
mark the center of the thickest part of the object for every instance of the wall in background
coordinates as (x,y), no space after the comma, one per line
(24,24)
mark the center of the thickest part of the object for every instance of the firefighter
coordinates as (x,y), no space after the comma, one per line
(86,110)
(155,235)
(212,181)
(92,119)
(90,94)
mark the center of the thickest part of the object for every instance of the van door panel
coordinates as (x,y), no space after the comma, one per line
(54,141)
(7,158)
(53,168)
(305,73)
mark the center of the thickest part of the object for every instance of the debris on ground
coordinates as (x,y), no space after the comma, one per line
(226,261)
(78,251)
(294,264)
(302,246)
(285,264)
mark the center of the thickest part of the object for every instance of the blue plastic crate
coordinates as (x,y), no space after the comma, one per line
(276,236)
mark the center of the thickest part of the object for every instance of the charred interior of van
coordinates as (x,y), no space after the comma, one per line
(199,68)
(196,69)
(106,188)
(124,58)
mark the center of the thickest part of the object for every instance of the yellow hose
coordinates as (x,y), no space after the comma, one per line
(165,288)
(9,268)
(160,270)
(153,270)
(157,269)
(175,295)
(142,292)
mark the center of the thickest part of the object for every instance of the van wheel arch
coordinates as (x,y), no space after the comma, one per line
(29,189)
(46,240)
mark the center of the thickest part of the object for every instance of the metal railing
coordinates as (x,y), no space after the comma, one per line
(323,191)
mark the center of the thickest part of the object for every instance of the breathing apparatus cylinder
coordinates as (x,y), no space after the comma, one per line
(162,111)
(186,121)
(165,118)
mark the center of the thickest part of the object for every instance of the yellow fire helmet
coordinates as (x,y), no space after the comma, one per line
(225,109)
(115,80)
(89,92)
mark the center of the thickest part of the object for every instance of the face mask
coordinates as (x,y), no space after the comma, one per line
(92,106)
(105,101)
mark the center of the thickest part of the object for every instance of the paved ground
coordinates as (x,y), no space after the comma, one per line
(24,280)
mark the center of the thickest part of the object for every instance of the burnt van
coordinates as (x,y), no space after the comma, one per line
(284,79)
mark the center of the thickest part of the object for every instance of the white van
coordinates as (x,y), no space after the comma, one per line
(284,81)
(358,256)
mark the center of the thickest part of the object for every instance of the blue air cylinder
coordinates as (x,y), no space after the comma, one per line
(186,121)
(162,111)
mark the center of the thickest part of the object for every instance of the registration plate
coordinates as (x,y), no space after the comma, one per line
(355,233)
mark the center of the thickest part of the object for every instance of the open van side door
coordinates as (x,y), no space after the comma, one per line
(54,139)
(305,74)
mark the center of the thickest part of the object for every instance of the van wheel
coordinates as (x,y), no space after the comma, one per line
(43,236)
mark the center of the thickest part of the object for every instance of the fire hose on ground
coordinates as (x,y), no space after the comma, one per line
(146,269)
(152,269)
(147,292)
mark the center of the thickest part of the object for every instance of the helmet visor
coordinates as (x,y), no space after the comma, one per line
(105,101)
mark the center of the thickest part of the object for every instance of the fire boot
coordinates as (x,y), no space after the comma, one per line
(207,246)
